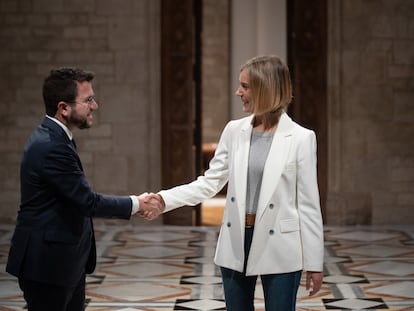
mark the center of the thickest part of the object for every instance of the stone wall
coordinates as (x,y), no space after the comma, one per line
(371,112)
(119,41)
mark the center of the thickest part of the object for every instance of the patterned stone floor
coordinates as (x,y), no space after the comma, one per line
(159,268)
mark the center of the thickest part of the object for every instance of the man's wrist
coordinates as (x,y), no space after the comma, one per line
(135,204)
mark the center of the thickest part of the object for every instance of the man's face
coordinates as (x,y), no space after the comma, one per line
(81,111)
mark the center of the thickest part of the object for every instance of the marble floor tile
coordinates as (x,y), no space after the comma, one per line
(397,289)
(355,304)
(378,250)
(395,268)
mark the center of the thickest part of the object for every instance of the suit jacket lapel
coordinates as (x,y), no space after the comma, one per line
(61,134)
(56,129)
(241,161)
(275,162)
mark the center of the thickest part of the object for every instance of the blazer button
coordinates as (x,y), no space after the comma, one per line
(271,231)
(229,224)
(271,205)
(232,199)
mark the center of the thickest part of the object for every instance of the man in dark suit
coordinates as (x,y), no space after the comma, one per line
(53,245)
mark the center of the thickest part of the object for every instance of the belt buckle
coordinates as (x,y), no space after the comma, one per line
(249,220)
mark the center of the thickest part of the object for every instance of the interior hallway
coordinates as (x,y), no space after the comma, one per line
(146,266)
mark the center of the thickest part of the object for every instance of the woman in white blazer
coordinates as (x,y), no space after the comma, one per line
(272,224)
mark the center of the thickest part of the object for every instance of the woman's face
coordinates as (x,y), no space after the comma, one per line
(244,92)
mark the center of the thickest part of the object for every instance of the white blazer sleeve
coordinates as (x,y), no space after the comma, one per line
(206,186)
(308,204)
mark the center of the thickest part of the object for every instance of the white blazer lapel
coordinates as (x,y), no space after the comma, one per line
(241,160)
(275,162)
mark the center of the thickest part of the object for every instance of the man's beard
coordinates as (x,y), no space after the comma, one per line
(76,121)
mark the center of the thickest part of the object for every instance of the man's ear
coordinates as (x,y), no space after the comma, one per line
(63,109)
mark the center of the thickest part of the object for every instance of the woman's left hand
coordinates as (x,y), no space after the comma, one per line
(316,279)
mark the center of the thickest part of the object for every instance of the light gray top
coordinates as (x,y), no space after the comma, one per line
(259,149)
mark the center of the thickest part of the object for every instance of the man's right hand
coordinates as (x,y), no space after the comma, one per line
(151,205)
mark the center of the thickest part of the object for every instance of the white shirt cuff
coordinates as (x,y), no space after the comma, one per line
(135,204)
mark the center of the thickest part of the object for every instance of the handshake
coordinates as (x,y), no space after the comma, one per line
(151,205)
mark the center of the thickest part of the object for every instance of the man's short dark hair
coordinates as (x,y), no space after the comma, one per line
(61,85)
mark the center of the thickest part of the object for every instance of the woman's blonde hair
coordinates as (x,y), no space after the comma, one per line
(270,84)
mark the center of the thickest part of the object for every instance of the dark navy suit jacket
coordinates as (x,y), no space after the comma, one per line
(54,241)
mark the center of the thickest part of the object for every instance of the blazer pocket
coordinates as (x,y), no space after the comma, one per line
(289,225)
(61,237)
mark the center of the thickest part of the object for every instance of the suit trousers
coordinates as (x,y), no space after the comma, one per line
(279,290)
(49,297)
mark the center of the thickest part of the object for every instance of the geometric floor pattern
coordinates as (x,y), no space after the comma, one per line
(160,268)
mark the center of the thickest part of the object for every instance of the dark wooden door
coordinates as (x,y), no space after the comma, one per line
(307,60)
(180,100)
